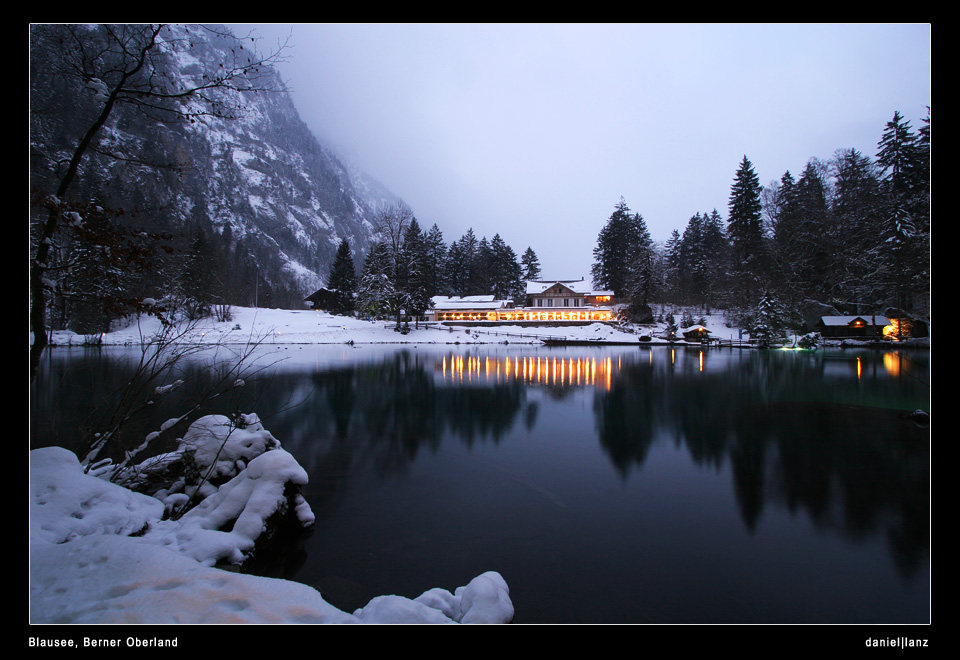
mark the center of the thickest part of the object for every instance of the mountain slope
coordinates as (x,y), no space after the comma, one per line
(262,178)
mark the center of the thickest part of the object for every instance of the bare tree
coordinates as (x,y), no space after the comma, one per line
(392,224)
(133,65)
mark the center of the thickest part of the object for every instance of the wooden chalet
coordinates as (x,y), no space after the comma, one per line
(320,299)
(696,333)
(865,326)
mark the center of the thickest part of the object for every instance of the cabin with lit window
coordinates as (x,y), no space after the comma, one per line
(867,326)
(697,333)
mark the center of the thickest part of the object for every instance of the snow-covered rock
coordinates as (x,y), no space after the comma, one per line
(100,554)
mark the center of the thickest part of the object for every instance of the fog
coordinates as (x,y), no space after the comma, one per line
(535,131)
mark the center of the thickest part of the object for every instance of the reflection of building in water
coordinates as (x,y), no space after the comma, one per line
(538,370)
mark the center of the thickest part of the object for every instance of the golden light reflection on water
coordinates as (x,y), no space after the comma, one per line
(893,363)
(532,370)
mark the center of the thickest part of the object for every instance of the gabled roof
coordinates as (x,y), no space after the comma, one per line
(868,319)
(581,287)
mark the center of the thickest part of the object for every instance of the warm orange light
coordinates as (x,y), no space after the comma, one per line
(892,363)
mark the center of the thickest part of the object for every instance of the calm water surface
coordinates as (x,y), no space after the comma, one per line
(607,485)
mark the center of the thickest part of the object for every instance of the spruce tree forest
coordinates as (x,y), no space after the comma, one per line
(851,235)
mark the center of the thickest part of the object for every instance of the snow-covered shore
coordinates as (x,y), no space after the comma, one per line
(288,327)
(103,554)
(280,326)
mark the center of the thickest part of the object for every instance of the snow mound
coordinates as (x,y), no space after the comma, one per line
(101,554)
(66,504)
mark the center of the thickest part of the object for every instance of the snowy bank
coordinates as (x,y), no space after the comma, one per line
(103,553)
(281,326)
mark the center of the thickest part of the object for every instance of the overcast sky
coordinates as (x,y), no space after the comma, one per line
(535,131)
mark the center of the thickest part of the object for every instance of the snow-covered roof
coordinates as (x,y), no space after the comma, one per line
(869,319)
(535,287)
(468,302)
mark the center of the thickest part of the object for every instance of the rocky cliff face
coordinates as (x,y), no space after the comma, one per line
(287,199)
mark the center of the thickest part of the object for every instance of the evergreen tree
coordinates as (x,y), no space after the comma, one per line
(457,272)
(531,265)
(903,159)
(375,291)
(900,158)
(717,252)
(692,267)
(506,274)
(745,230)
(411,273)
(812,263)
(342,281)
(671,267)
(787,242)
(856,221)
(435,263)
(462,261)
(640,280)
(481,271)
(770,322)
(611,266)
(624,260)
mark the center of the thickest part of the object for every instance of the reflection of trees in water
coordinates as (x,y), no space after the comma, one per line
(394,408)
(862,471)
(859,470)
(624,417)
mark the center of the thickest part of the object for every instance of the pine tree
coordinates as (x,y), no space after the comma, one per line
(745,230)
(717,250)
(481,270)
(856,221)
(531,265)
(457,272)
(770,322)
(462,261)
(435,265)
(375,290)
(903,159)
(815,222)
(411,269)
(342,281)
(671,267)
(506,274)
(640,278)
(611,265)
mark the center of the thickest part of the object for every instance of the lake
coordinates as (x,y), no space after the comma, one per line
(607,485)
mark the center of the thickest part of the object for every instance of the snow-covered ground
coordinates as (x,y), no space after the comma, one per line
(103,554)
(278,326)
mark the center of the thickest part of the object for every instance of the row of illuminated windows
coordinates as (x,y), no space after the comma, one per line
(526,315)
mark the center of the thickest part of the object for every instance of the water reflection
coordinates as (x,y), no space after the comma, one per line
(538,370)
(814,437)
